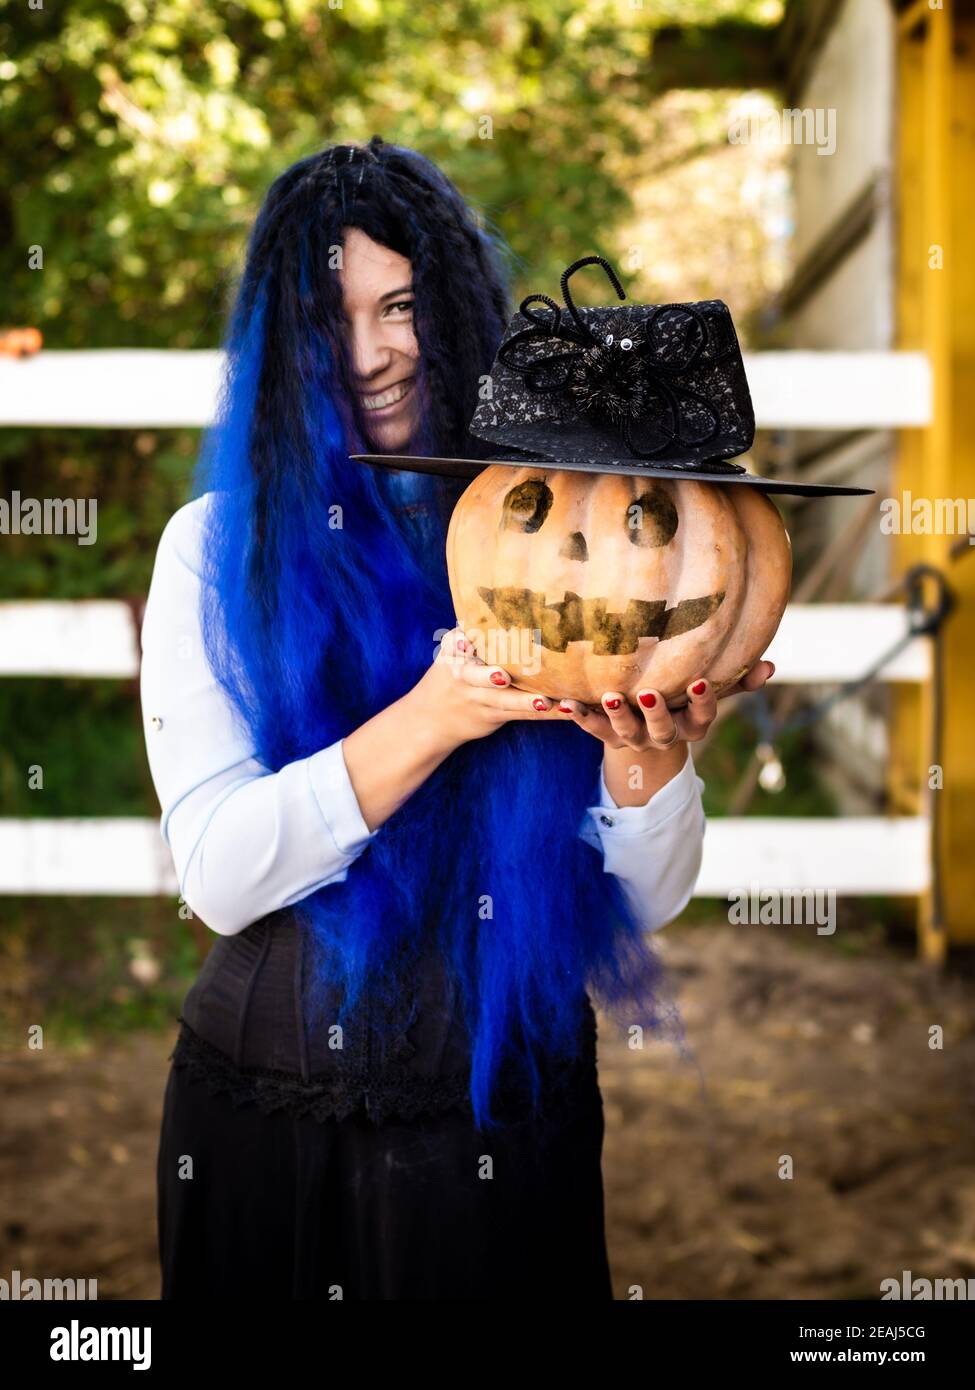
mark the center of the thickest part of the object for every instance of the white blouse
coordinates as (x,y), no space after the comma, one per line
(246,841)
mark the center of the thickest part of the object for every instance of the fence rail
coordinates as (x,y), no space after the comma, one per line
(126,857)
(816,642)
(140,388)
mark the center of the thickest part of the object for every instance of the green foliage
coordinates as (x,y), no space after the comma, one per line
(726,756)
(138,479)
(139,138)
(86,737)
(77,966)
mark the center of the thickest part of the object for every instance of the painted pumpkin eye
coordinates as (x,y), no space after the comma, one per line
(651,519)
(626,344)
(526,506)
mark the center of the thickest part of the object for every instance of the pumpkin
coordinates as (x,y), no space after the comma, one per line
(578,583)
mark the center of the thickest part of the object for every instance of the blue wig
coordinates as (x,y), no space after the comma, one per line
(326,596)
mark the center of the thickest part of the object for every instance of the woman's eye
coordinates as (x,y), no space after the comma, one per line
(404,305)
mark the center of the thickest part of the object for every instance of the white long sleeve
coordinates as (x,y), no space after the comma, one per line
(655,849)
(246,841)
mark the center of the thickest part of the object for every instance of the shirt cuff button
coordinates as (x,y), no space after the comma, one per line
(156,722)
(606,820)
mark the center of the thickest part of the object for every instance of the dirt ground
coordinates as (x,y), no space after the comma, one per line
(799,1051)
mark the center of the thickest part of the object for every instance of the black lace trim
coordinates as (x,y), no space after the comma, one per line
(396,1092)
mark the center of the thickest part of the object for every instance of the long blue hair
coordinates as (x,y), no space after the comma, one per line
(326,592)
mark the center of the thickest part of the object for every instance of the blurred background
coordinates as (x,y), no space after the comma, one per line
(811,162)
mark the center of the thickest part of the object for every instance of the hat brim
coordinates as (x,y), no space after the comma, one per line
(470,468)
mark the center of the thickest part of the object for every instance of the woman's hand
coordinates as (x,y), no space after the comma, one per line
(457,699)
(462,698)
(646,745)
(651,724)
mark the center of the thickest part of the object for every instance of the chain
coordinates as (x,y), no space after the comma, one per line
(922,622)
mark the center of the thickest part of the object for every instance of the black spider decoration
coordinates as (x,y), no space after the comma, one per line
(607,380)
(625,372)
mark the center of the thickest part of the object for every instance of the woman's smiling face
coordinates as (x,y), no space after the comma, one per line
(377,300)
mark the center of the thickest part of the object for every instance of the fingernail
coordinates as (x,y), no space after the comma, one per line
(566,709)
(613,704)
(461,645)
(700,688)
(498,677)
(771,669)
(539,704)
(647,699)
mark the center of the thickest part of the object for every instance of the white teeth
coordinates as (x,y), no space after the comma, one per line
(390,397)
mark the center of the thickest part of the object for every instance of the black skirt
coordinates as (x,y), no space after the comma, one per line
(290,1169)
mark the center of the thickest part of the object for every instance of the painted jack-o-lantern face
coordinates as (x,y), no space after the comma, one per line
(579,583)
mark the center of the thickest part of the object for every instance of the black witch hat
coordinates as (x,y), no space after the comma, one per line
(651,390)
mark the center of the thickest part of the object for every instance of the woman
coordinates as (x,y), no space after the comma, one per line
(385,1082)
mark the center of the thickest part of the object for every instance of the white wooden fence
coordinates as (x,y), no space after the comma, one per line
(121,388)
(818,643)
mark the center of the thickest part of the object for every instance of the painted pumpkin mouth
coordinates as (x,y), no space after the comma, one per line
(577,619)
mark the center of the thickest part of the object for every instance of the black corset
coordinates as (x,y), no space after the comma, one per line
(246,1030)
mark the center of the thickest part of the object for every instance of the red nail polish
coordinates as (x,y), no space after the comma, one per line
(498,677)
(647,699)
(566,709)
(539,704)
(700,688)
(613,704)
